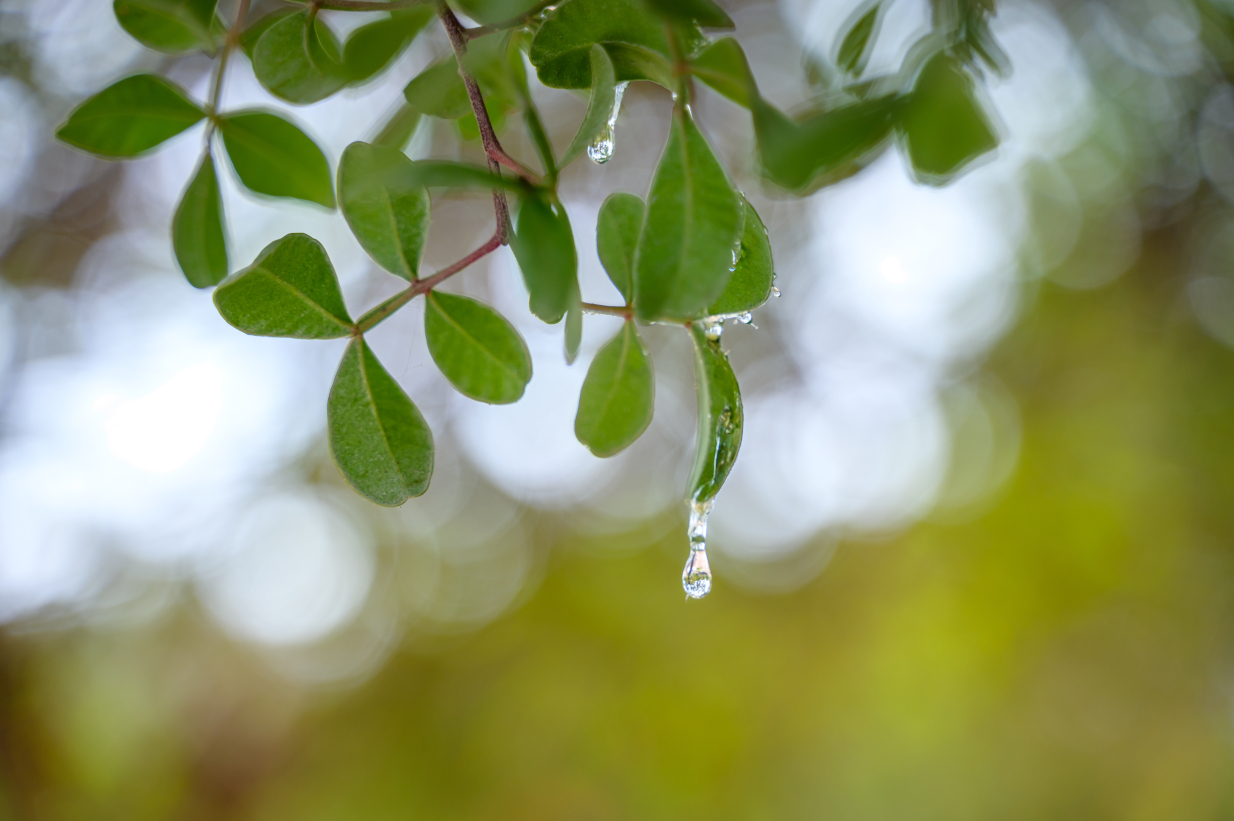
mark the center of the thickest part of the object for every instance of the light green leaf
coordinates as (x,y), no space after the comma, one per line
(855,48)
(388,217)
(292,60)
(723,66)
(271,156)
(490,12)
(380,442)
(289,290)
(438,91)
(703,12)
(442,174)
(476,348)
(372,47)
(685,251)
(543,244)
(129,117)
(574,328)
(617,400)
(750,284)
(945,128)
(397,131)
(636,40)
(169,26)
(617,230)
(719,418)
(253,32)
(197,230)
(599,110)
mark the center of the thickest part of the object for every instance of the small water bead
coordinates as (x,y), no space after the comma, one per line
(696,577)
(746,318)
(602,146)
(713,328)
(775,291)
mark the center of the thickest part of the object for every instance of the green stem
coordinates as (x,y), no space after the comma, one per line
(610,310)
(229,44)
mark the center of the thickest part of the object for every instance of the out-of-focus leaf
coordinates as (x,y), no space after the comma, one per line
(388,217)
(129,117)
(397,131)
(372,47)
(297,60)
(273,157)
(169,26)
(750,284)
(854,49)
(944,126)
(617,399)
(444,174)
(253,32)
(635,38)
(438,91)
(720,418)
(795,154)
(693,221)
(289,290)
(599,110)
(380,442)
(574,328)
(476,348)
(197,230)
(490,12)
(704,12)
(617,230)
(723,66)
(543,244)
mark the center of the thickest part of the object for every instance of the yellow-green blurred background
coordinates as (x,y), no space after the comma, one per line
(976,561)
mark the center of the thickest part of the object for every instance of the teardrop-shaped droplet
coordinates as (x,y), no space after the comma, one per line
(746,318)
(712,328)
(603,144)
(696,577)
(775,291)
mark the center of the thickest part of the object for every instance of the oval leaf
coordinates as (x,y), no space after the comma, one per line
(719,418)
(685,251)
(169,26)
(273,157)
(388,217)
(438,91)
(476,348)
(750,284)
(372,47)
(618,395)
(703,12)
(599,110)
(129,117)
(617,230)
(543,244)
(380,442)
(284,60)
(723,66)
(289,290)
(945,127)
(574,328)
(197,230)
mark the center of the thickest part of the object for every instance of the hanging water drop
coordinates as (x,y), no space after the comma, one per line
(602,145)
(775,291)
(696,577)
(712,328)
(746,318)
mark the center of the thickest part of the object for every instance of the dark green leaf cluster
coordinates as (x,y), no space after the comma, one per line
(691,253)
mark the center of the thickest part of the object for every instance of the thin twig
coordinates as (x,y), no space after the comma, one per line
(423,286)
(610,310)
(230,41)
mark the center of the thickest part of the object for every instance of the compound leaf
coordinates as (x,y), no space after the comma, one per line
(374,46)
(389,217)
(289,290)
(292,60)
(380,442)
(129,117)
(617,400)
(197,230)
(476,348)
(273,157)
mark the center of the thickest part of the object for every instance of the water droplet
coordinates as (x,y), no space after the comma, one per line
(696,577)
(602,146)
(746,318)
(712,328)
(775,291)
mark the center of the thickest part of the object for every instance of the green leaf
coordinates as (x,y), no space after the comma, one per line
(169,26)
(635,38)
(388,217)
(197,232)
(292,60)
(543,244)
(599,110)
(273,157)
(719,418)
(945,128)
(750,284)
(252,34)
(617,400)
(289,290)
(854,49)
(703,12)
(476,348)
(438,91)
(380,442)
(397,131)
(685,251)
(723,66)
(129,117)
(617,230)
(372,47)
(795,155)
(489,12)
(443,174)
(574,328)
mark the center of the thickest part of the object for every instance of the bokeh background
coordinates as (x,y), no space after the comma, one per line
(976,558)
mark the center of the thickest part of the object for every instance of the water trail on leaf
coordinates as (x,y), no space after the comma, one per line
(602,145)
(696,577)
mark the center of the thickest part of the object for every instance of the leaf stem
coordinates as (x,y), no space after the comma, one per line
(230,41)
(513,22)
(421,286)
(611,310)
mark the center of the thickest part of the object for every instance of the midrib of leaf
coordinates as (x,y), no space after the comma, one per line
(688,211)
(385,439)
(473,340)
(398,242)
(305,298)
(161,113)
